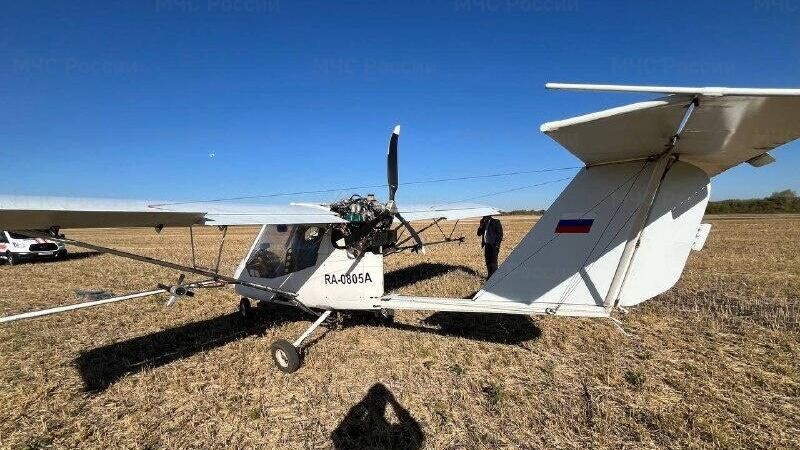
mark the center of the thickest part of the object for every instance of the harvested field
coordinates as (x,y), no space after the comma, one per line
(713,363)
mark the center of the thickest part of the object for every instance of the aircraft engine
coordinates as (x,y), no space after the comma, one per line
(368,226)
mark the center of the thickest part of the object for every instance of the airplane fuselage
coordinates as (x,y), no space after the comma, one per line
(304,259)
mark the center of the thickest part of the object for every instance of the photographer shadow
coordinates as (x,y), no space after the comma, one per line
(378,421)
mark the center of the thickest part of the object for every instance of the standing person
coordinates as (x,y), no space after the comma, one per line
(491,232)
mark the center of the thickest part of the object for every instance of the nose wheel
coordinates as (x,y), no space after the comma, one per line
(287,355)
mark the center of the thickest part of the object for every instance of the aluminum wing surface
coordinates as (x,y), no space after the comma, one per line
(25,212)
(722,132)
(232,214)
(451,211)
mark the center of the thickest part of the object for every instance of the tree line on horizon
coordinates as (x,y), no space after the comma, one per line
(785,201)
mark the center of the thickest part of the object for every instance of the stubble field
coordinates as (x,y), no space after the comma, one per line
(712,363)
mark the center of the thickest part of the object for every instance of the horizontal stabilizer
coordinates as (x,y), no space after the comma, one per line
(705,91)
(728,126)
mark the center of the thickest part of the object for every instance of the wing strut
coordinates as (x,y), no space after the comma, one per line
(54,236)
(60,309)
(661,165)
(224,229)
(399,247)
(414,235)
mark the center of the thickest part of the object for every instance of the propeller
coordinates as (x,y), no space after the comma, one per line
(393,182)
(178,290)
(391,163)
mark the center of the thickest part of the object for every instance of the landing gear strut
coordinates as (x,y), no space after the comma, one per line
(287,355)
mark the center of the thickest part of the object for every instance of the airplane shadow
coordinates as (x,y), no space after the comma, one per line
(509,329)
(101,367)
(498,328)
(406,276)
(71,256)
(366,425)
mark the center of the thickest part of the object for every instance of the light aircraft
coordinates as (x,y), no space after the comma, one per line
(619,234)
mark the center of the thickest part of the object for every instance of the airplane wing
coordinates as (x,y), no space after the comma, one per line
(240,214)
(729,127)
(27,212)
(450,211)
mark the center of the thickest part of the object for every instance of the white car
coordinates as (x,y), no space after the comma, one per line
(16,247)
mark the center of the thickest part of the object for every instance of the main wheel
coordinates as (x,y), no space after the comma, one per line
(385,316)
(245,309)
(11,259)
(285,355)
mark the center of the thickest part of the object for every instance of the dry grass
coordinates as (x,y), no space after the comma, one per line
(713,363)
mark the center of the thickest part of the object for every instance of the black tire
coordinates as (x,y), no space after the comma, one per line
(385,316)
(11,259)
(62,254)
(245,308)
(285,356)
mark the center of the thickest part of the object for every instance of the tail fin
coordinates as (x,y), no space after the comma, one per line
(566,263)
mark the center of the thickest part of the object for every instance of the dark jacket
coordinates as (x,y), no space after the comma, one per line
(493,231)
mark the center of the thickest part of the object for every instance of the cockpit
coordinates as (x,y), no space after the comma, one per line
(284,249)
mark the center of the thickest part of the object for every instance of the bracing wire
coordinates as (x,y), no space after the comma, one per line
(506,191)
(372,186)
(575,280)
(555,237)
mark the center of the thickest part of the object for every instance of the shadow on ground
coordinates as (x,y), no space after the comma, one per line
(79,255)
(500,328)
(406,276)
(366,425)
(103,366)
(497,328)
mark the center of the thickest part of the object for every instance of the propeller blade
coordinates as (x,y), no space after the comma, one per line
(174,298)
(412,232)
(391,163)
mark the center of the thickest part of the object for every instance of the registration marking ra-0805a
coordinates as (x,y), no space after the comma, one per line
(348,278)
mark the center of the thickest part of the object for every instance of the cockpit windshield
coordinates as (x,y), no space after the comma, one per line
(284,249)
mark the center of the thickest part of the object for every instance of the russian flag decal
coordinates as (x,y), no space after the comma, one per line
(574,226)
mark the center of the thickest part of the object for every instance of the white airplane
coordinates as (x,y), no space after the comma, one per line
(619,234)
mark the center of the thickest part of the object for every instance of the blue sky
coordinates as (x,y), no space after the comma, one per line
(131,99)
